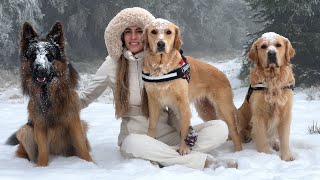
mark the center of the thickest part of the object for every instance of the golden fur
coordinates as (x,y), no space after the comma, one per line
(267,115)
(209,88)
(54,125)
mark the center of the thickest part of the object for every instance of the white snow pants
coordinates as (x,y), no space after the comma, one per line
(211,134)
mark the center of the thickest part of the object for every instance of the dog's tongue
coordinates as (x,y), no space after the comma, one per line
(272,65)
(41,79)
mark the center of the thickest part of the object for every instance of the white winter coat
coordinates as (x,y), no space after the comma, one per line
(134,121)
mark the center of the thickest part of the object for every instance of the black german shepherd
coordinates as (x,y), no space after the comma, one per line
(49,80)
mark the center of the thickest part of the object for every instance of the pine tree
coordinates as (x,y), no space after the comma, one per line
(298,21)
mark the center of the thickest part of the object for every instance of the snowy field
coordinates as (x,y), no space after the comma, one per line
(109,164)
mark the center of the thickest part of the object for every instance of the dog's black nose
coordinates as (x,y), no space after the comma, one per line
(271,54)
(161,45)
(40,71)
(272,57)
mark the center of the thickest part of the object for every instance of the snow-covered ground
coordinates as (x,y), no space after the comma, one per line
(109,164)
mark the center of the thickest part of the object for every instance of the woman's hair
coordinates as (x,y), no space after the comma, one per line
(122,40)
(121,95)
(114,39)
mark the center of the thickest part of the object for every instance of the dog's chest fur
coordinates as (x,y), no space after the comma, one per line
(157,65)
(275,99)
(160,64)
(275,94)
(167,92)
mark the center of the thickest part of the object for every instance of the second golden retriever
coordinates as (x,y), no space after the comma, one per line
(267,107)
(208,87)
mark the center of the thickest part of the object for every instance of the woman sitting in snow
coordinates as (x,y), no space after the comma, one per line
(122,72)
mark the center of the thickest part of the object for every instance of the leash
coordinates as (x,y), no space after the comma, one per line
(260,86)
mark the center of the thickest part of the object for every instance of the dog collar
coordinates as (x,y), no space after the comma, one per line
(261,86)
(182,72)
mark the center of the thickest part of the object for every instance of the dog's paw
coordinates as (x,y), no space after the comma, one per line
(183,150)
(287,157)
(238,147)
(247,139)
(276,146)
(245,136)
(151,133)
(265,150)
(42,164)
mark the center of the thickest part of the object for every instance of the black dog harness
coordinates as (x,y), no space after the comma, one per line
(260,86)
(182,72)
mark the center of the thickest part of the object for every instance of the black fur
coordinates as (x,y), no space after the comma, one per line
(13,140)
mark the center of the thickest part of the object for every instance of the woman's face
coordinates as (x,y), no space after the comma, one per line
(133,39)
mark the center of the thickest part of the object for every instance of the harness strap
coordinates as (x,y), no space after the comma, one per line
(260,86)
(182,72)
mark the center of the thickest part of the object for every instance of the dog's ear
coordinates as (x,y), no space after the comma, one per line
(27,34)
(290,52)
(56,34)
(253,54)
(177,39)
(145,38)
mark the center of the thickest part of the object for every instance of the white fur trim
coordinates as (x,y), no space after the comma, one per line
(129,56)
(125,18)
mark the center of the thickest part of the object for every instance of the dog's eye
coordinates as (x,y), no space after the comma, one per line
(30,55)
(278,45)
(154,32)
(263,46)
(168,32)
(49,57)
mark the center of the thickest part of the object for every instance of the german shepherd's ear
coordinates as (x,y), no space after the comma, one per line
(27,34)
(253,54)
(290,52)
(145,39)
(177,39)
(56,34)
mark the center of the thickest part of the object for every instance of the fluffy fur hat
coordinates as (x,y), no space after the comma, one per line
(128,17)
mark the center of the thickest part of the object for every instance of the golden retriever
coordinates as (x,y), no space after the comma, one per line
(267,112)
(208,87)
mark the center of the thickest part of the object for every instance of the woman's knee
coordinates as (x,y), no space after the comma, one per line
(218,128)
(219,125)
(134,143)
(213,134)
